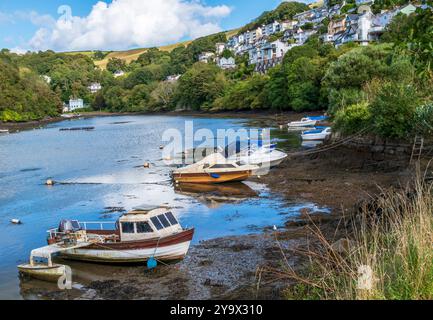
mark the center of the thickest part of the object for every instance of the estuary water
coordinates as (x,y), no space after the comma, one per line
(103,175)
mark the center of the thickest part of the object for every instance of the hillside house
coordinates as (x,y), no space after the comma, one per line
(206,57)
(118,73)
(74,104)
(226,63)
(94,87)
(219,48)
(337,27)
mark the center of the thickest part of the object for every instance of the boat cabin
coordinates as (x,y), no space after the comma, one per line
(141,223)
(146,223)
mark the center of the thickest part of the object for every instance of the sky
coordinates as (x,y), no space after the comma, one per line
(74,25)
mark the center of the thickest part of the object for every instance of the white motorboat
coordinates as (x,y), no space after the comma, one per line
(140,235)
(265,156)
(305,122)
(318,134)
(4,131)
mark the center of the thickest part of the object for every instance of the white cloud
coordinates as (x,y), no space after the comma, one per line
(130,23)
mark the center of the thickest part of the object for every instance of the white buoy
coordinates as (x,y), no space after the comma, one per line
(16,221)
(146,165)
(49,182)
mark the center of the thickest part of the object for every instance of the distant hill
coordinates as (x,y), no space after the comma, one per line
(133,54)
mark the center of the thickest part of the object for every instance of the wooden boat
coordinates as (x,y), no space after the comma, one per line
(319,134)
(213,169)
(139,235)
(305,122)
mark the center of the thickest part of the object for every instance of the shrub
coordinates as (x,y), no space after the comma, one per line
(353,118)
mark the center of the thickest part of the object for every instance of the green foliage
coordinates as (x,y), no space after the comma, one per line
(99,55)
(116,64)
(393,109)
(353,118)
(244,95)
(200,86)
(423,123)
(153,56)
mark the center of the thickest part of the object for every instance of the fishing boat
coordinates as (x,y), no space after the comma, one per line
(305,122)
(318,134)
(215,168)
(264,156)
(140,235)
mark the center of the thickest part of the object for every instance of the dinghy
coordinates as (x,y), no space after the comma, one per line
(143,234)
(318,134)
(215,168)
(305,122)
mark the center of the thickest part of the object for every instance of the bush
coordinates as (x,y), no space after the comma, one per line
(353,118)
(393,109)
(424,120)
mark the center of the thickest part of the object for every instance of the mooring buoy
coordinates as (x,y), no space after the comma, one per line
(146,165)
(49,182)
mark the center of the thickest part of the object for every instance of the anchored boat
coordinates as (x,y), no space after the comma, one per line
(264,156)
(319,134)
(213,169)
(139,235)
(305,122)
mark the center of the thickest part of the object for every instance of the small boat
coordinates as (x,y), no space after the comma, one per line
(215,168)
(265,156)
(4,131)
(305,122)
(318,118)
(140,235)
(318,134)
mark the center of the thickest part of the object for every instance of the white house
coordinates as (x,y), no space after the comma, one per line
(94,87)
(220,47)
(361,2)
(206,57)
(75,104)
(227,63)
(46,78)
(119,73)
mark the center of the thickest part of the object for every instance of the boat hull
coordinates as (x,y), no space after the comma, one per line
(297,124)
(312,137)
(43,272)
(206,178)
(167,249)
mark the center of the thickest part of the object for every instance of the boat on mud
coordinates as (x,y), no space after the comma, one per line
(305,122)
(215,168)
(143,234)
(264,156)
(318,134)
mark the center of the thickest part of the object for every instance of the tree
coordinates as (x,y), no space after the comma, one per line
(200,85)
(116,64)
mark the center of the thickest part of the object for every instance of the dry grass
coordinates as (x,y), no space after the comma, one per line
(388,253)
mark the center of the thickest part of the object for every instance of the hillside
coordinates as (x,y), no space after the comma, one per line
(131,55)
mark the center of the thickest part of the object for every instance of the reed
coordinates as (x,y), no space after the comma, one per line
(387,253)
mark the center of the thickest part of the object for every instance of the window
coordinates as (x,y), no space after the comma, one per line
(143,227)
(156,223)
(222,166)
(127,227)
(171,218)
(164,221)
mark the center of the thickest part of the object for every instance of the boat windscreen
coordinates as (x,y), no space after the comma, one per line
(143,227)
(171,218)
(164,221)
(156,223)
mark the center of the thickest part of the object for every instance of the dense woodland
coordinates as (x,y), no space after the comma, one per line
(385,86)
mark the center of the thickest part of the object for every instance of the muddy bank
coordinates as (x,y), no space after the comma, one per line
(338,178)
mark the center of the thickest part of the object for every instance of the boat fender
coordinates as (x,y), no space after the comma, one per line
(215,176)
(152,263)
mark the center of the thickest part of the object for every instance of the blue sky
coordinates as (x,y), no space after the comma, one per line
(26,24)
